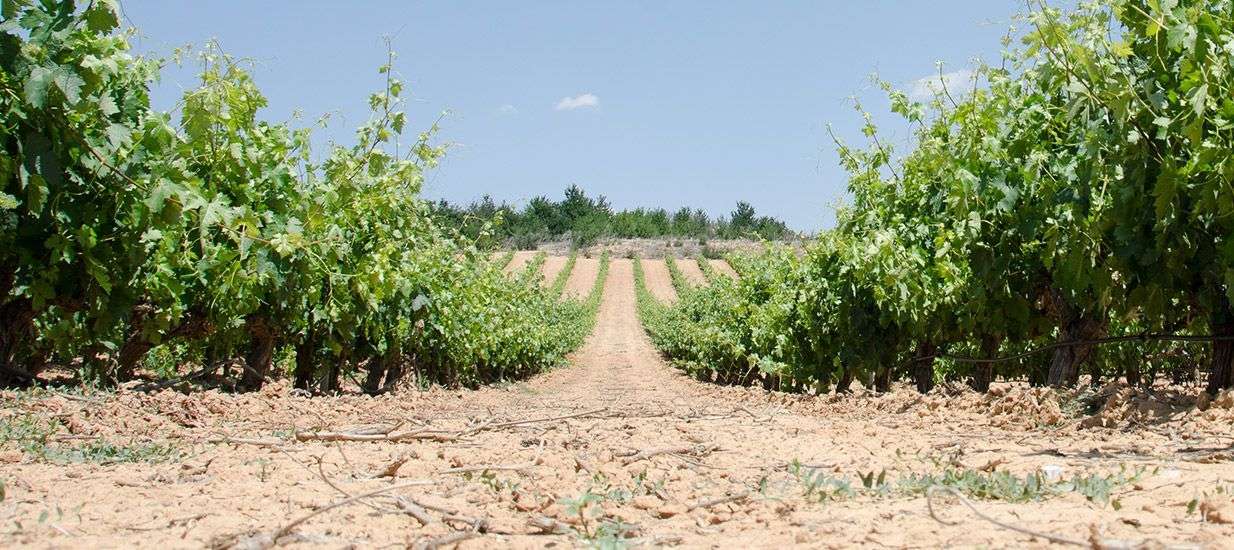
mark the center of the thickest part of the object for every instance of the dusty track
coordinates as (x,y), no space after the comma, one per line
(519,261)
(722,267)
(552,266)
(582,278)
(630,406)
(689,268)
(659,281)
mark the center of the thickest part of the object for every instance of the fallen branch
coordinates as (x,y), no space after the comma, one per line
(414,510)
(1024,530)
(718,501)
(696,450)
(512,424)
(488,468)
(550,526)
(433,435)
(391,469)
(284,530)
(247,441)
(447,540)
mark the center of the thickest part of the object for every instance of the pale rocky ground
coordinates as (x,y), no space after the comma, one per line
(618,445)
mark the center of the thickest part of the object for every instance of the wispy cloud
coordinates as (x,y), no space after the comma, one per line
(957,82)
(577,102)
(507,109)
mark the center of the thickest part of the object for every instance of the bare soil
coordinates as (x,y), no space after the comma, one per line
(582,278)
(617,443)
(658,280)
(552,267)
(722,267)
(519,260)
(693,274)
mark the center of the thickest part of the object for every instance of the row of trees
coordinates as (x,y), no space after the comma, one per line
(584,219)
(218,238)
(1082,190)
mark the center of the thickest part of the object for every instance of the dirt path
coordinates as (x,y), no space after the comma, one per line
(659,281)
(647,453)
(520,260)
(722,267)
(552,266)
(582,278)
(689,268)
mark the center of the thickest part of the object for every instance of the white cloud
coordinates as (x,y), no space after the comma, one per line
(577,102)
(957,82)
(507,109)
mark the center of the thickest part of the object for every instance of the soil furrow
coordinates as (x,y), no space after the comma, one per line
(659,281)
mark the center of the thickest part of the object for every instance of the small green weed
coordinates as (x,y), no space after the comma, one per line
(998,485)
(34,437)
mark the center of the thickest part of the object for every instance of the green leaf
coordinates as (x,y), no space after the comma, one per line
(101,17)
(119,136)
(159,195)
(37,84)
(69,84)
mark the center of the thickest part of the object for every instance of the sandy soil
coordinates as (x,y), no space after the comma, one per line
(552,266)
(582,278)
(722,267)
(520,260)
(689,268)
(659,281)
(618,442)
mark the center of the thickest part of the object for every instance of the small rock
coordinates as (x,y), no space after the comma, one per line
(1052,472)
(645,502)
(670,510)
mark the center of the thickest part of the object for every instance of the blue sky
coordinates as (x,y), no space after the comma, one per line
(698,103)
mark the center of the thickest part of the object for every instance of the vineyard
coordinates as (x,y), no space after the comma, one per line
(1018,334)
(131,240)
(1068,214)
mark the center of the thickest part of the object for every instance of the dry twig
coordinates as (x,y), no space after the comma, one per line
(695,450)
(284,530)
(718,501)
(488,468)
(1047,536)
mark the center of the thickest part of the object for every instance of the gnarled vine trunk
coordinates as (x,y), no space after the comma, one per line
(16,326)
(923,365)
(1072,326)
(1221,367)
(306,361)
(136,345)
(394,373)
(845,383)
(260,354)
(1067,360)
(882,380)
(983,373)
(330,383)
(379,368)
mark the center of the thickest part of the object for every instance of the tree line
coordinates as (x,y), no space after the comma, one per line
(583,220)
